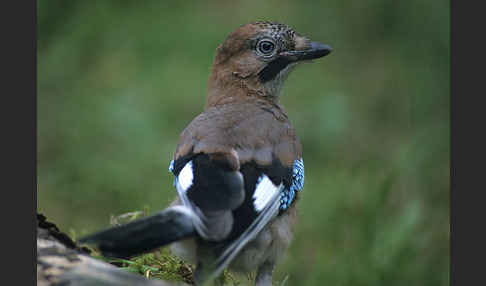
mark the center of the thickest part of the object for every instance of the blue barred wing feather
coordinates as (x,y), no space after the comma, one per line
(297,184)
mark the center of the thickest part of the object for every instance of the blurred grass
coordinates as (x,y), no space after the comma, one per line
(119,80)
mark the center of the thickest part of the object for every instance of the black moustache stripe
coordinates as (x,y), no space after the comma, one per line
(272,69)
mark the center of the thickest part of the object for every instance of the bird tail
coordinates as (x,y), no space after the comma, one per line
(142,235)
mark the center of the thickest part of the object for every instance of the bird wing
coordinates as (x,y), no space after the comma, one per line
(211,191)
(296,185)
(234,167)
(240,218)
(267,203)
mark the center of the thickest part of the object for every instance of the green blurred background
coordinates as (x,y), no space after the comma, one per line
(119,80)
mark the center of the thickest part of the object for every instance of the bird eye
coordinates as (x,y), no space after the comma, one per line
(266,47)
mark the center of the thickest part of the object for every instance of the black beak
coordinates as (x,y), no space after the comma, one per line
(315,50)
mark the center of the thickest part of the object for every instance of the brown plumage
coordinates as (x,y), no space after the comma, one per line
(238,102)
(238,165)
(243,123)
(235,130)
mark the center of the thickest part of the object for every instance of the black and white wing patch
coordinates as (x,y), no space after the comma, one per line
(186,177)
(183,181)
(210,191)
(264,191)
(266,202)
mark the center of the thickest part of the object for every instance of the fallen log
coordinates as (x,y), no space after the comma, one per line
(60,261)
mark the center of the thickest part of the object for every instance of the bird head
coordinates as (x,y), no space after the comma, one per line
(255,60)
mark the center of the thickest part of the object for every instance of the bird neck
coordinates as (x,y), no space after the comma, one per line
(226,85)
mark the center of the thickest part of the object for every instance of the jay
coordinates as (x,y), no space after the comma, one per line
(238,166)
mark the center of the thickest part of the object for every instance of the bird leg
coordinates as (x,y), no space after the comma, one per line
(264,274)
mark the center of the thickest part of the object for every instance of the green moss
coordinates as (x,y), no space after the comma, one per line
(161,264)
(158,264)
